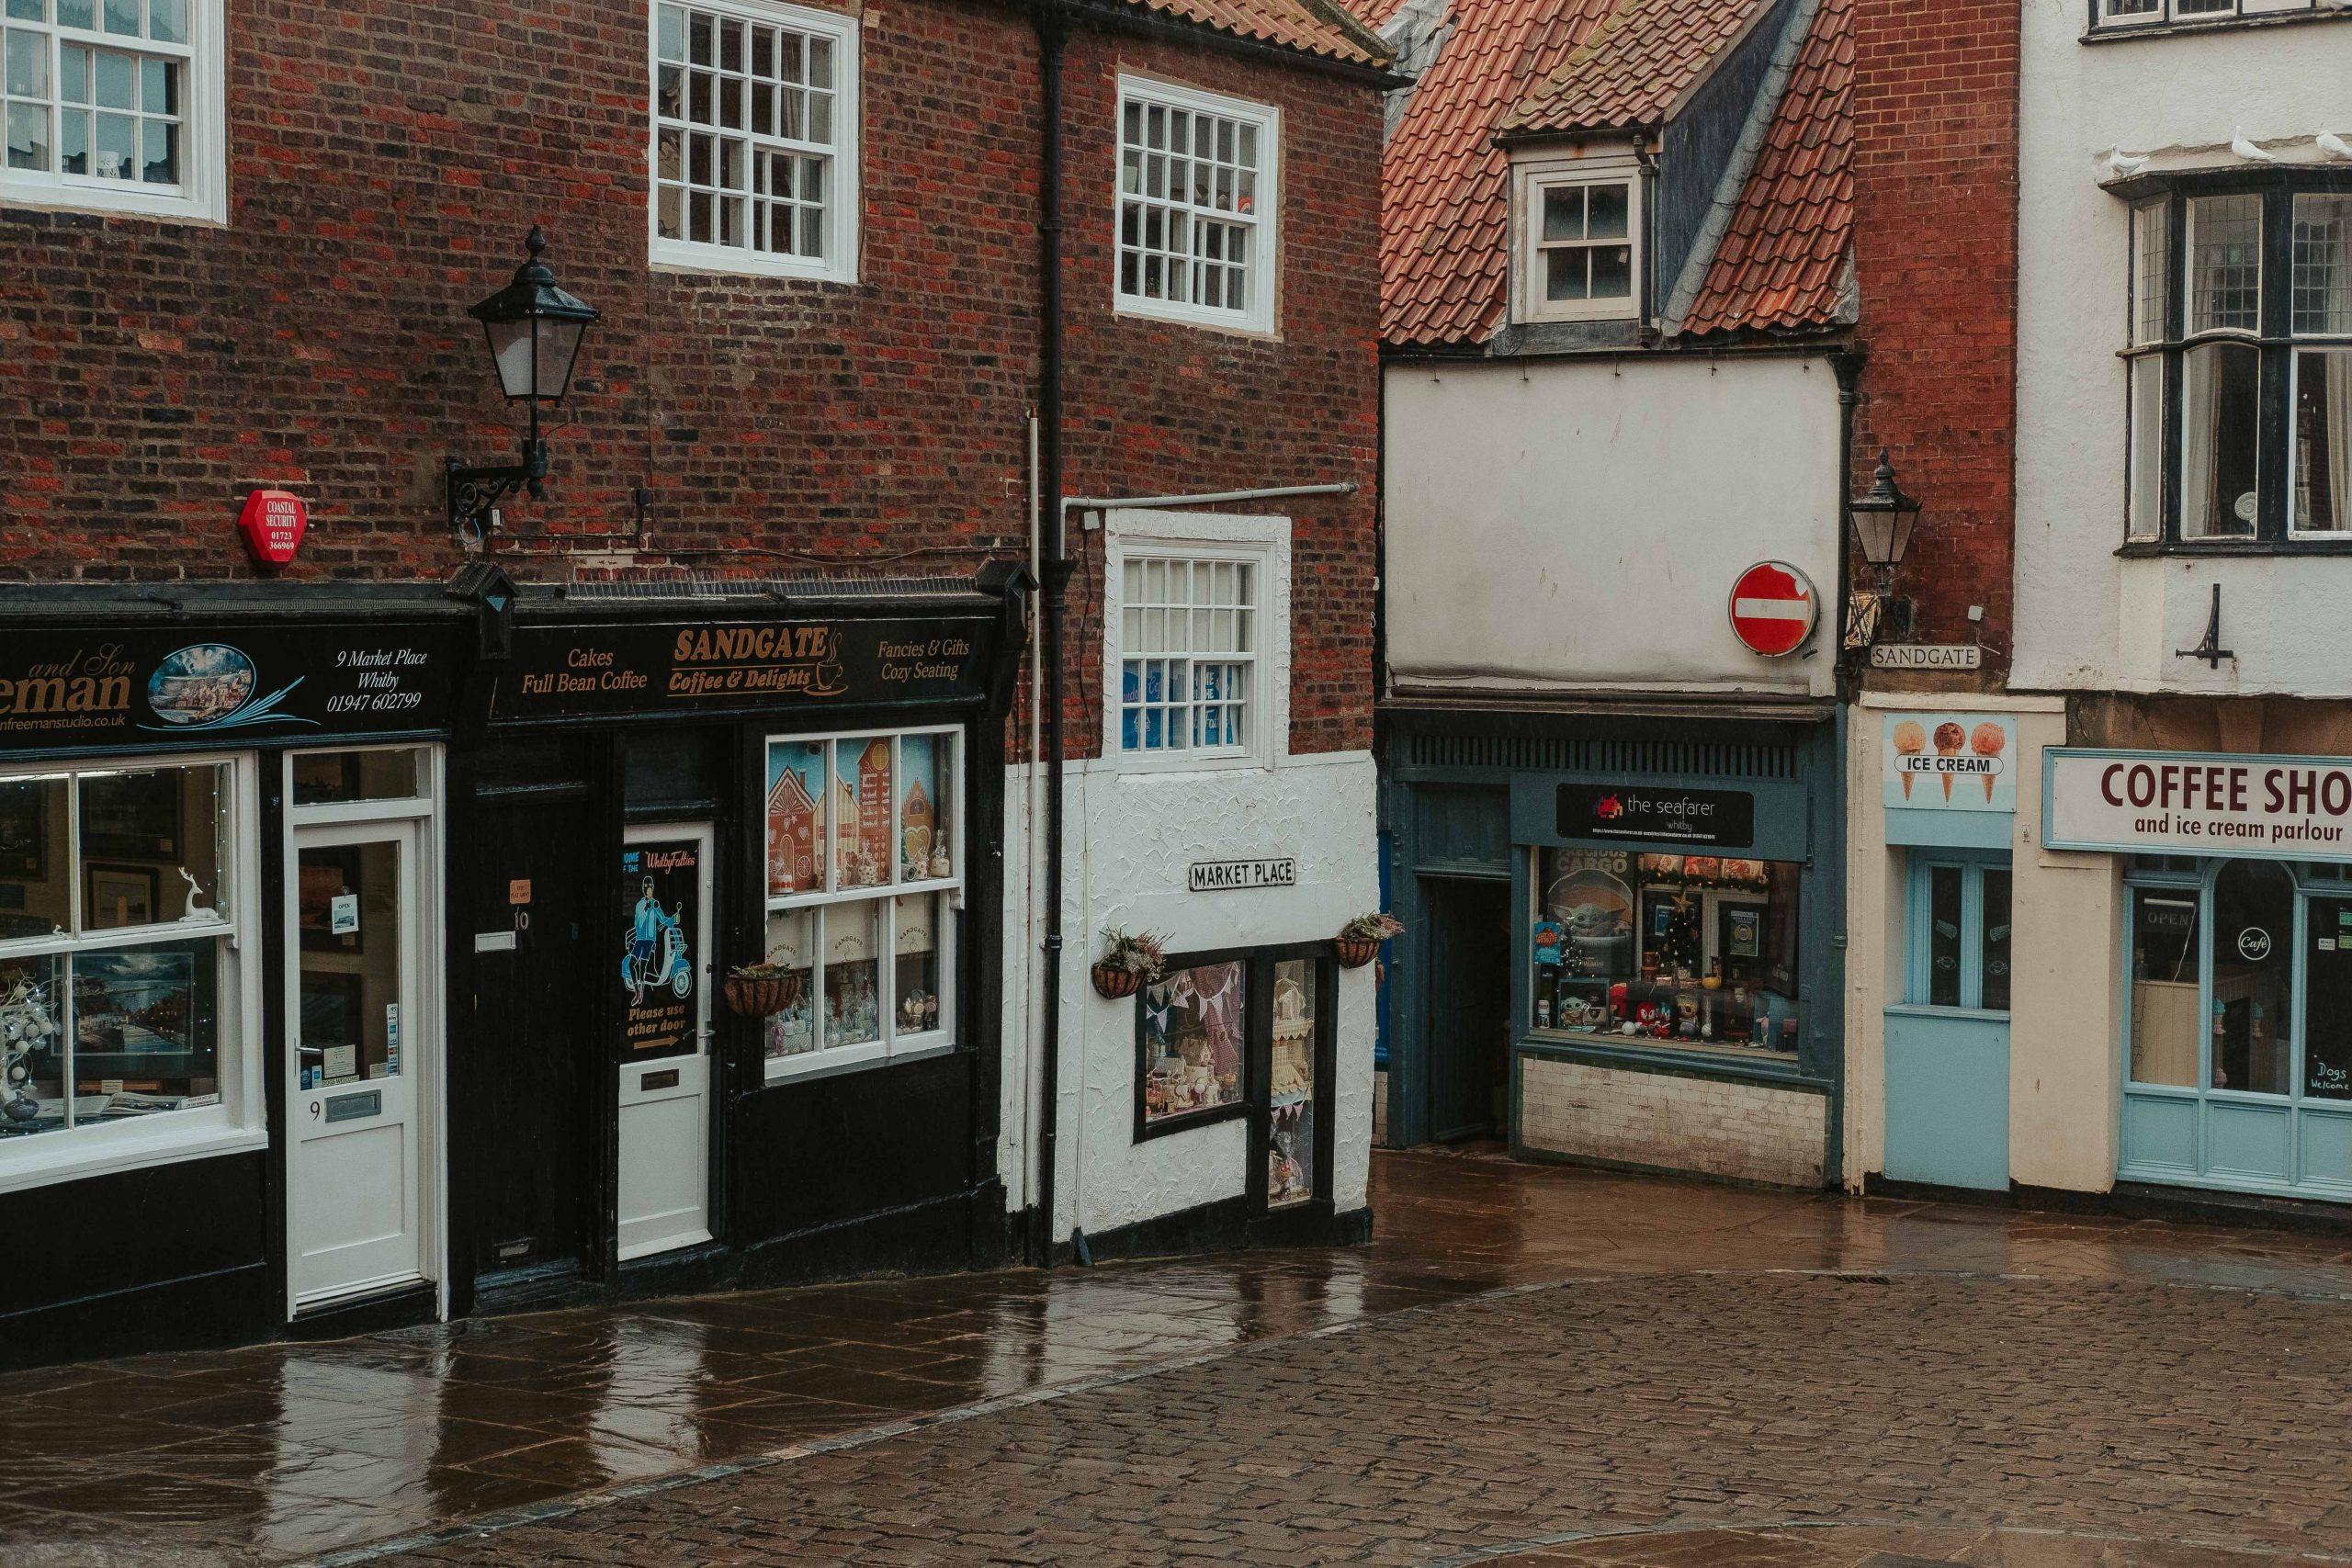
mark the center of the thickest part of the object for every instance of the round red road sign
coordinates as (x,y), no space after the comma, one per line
(1774,608)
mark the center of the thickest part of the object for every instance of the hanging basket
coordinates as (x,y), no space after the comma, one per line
(1355,951)
(1113,982)
(761,997)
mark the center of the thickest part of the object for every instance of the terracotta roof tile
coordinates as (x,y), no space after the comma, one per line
(1634,68)
(1313,26)
(1783,259)
(1445,183)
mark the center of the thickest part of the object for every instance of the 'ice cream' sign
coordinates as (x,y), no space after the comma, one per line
(1949,762)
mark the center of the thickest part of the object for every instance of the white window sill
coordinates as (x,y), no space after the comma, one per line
(1241,323)
(725,261)
(856,1058)
(111,198)
(1147,763)
(139,1144)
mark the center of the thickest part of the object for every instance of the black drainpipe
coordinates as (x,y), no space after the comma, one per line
(1845,364)
(1053,35)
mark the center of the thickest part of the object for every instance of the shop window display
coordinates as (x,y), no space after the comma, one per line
(1683,950)
(114,932)
(852,821)
(1194,1028)
(1290,1088)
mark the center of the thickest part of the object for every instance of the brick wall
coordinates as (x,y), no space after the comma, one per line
(1936,189)
(1750,1132)
(385,163)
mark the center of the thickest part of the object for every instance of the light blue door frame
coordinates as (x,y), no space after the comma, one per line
(1948,1045)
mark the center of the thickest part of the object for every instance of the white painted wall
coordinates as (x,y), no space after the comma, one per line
(1130,838)
(2085,619)
(1559,524)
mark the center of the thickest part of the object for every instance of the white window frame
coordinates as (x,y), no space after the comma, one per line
(1264,269)
(236,1123)
(890,1044)
(1529,179)
(2111,13)
(203,195)
(1264,543)
(839,261)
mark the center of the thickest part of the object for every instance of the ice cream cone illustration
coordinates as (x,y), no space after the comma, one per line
(1909,741)
(1987,742)
(1950,738)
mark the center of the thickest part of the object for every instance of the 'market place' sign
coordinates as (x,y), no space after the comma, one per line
(2190,803)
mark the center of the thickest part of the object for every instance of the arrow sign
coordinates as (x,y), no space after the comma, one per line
(1774,608)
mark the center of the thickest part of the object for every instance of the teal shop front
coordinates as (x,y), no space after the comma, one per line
(1624,936)
(2236,1011)
(1948,787)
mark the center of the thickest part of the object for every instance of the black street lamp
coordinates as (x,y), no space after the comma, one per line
(1883,523)
(534,331)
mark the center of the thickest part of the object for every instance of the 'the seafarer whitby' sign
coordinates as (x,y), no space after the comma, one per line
(616,670)
(1225,875)
(2194,803)
(1720,816)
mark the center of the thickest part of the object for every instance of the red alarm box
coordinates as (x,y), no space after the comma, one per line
(273,523)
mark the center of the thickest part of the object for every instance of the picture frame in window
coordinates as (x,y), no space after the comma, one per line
(326,875)
(137,818)
(133,892)
(143,1013)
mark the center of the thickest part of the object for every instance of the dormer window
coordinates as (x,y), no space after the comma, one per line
(1579,223)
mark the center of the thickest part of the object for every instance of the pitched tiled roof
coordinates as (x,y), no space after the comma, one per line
(1444,196)
(1634,68)
(1782,260)
(1313,26)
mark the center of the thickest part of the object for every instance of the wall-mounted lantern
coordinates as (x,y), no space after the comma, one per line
(534,331)
(1882,522)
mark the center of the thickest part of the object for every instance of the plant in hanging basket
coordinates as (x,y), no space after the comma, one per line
(761,990)
(1129,963)
(1359,939)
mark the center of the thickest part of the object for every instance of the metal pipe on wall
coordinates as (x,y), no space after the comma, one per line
(1053,37)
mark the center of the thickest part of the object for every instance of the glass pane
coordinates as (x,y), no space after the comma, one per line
(792,946)
(1195,1021)
(2253,1023)
(122,16)
(670,32)
(862,802)
(73,73)
(1606,213)
(1612,272)
(1994,943)
(920,933)
(853,1014)
(324,778)
(153,846)
(28,136)
(2151,271)
(1564,213)
(821,62)
(2324,263)
(2324,441)
(27,63)
(796,814)
(145,1030)
(923,842)
(347,904)
(74,13)
(2327,1001)
(36,859)
(117,140)
(28,10)
(32,1046)
(1943,936)
(1290,1088)
(2165,946)
(117,80)
(159,86)
(2147,460)
(2220,395)
(1563,274)
(160,164)
(2225,263)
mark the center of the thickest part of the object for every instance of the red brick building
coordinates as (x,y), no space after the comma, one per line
(462,774)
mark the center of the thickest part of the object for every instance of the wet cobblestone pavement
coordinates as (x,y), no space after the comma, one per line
(1529,1365)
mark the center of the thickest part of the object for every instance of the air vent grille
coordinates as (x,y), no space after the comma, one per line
(1561,754)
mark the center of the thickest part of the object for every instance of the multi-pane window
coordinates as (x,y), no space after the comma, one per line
(2143,13)
(864,862)
(753,139)
(1188,643)
(1580,242)
(1960,943)
(119,910)
(2236,294)
(1196,200)
(103,99)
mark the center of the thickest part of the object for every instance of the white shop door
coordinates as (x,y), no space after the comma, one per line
(665,974)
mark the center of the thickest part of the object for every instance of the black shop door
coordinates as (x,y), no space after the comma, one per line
(535,1063)
(1469,1009)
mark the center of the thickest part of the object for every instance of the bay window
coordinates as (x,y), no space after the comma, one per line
(865,876)
(2239,363)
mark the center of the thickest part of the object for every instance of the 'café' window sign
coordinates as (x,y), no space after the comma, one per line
(2192,803)
(1720,816)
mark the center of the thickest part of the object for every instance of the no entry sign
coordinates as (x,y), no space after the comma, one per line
(1774,608)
